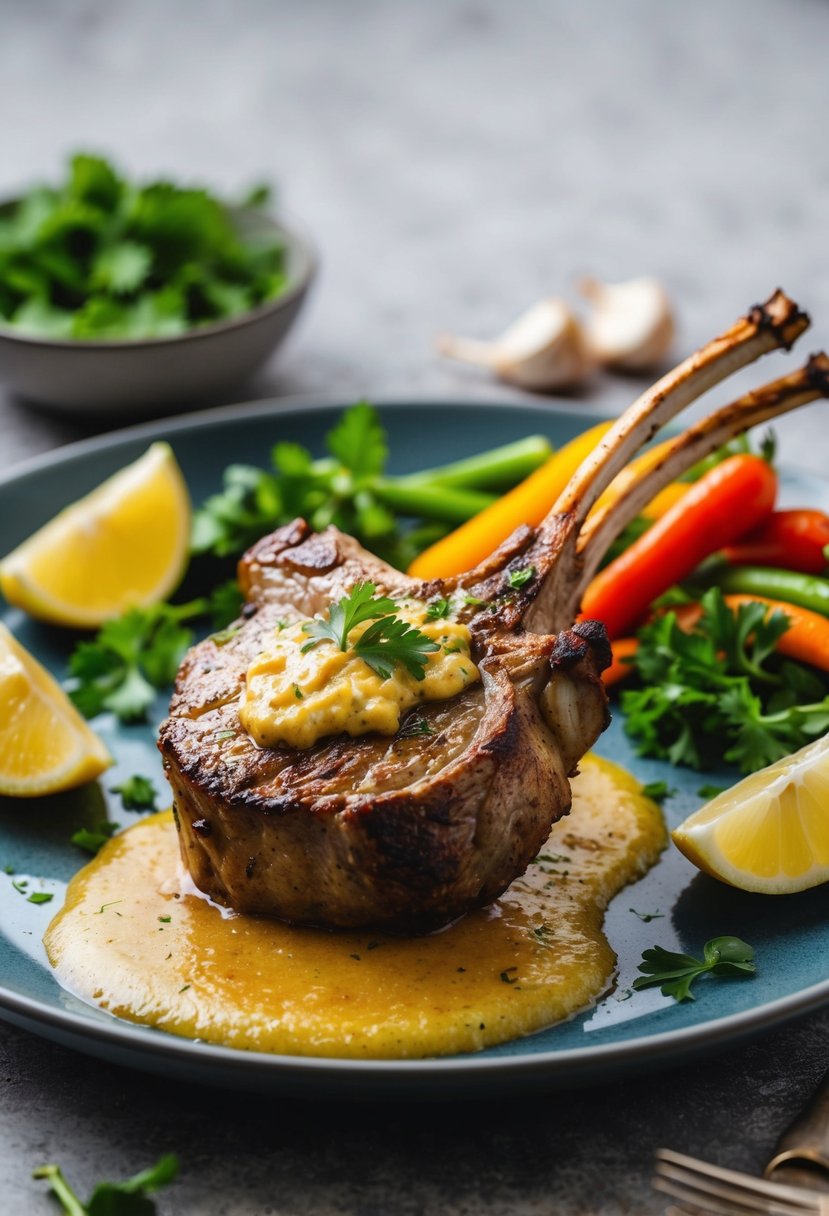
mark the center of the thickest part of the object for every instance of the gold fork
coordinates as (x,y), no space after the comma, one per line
(796,1178)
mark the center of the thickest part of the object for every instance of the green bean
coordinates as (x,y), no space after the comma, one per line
(807,590)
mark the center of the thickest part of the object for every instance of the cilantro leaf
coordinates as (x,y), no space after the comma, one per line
(674,974)
(98,258)
(121,268)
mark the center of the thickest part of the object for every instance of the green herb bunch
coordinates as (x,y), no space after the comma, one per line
(395,517)
(718,691)
(100,258)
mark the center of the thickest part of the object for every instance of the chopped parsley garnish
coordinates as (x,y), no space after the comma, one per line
(223,636)
(128,1198)
(438,609)
(711,791)
(387,641)
(137,793)
(40,897)
(723,957)
(658,791)
(647,917)
(718,691)
(91,840)
(414,728)
(519,578)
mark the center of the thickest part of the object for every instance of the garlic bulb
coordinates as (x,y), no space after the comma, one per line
(544,349)
(631,325)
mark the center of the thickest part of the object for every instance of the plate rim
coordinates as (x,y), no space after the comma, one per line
(565,1065)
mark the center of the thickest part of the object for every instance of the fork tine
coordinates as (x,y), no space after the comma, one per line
(714,1200)
(751,1194)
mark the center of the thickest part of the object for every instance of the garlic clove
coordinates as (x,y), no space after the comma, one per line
(631,324)
(544,349)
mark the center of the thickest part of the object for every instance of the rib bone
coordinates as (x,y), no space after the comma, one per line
(551,549)
(779,397)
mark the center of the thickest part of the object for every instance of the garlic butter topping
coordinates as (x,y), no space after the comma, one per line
(355,672)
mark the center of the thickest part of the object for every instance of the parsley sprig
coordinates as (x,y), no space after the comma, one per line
(128,1198)
(130,658)
(723,957)
(385,643)
(349,487)
(718,692)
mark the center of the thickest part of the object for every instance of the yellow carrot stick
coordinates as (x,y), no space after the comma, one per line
(527,503)
(665,499)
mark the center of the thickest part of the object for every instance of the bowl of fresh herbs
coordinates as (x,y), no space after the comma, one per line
(117,297)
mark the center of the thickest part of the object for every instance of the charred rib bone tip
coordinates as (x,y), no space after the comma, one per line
(817,369)
(781,316)
(585,638)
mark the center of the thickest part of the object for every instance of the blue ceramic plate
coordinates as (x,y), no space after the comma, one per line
(625,1031)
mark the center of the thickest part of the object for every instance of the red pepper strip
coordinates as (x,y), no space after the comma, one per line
(728,501)
(793,540)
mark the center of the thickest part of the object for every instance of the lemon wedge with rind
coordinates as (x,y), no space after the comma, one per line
(45,745)
(770,832)
(124,545)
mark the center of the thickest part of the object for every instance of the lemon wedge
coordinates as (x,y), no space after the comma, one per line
(45,745)
(124,545)
(770,832)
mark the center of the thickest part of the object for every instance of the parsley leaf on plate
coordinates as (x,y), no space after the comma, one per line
(723,957)
(130,658)
(137,793)
(128,1198)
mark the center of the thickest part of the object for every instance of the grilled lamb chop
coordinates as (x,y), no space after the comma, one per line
(408,832)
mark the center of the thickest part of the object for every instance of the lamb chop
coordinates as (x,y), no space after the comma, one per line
(408,832)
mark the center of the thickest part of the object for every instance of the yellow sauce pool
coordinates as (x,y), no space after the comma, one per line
(127,942)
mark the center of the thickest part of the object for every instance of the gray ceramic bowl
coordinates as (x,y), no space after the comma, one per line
(143,378)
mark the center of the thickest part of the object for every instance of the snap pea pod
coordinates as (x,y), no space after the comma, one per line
(807,590)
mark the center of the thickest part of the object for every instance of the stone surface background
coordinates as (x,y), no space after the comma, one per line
(454,162)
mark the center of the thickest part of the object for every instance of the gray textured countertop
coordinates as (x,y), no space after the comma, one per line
(454,162)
